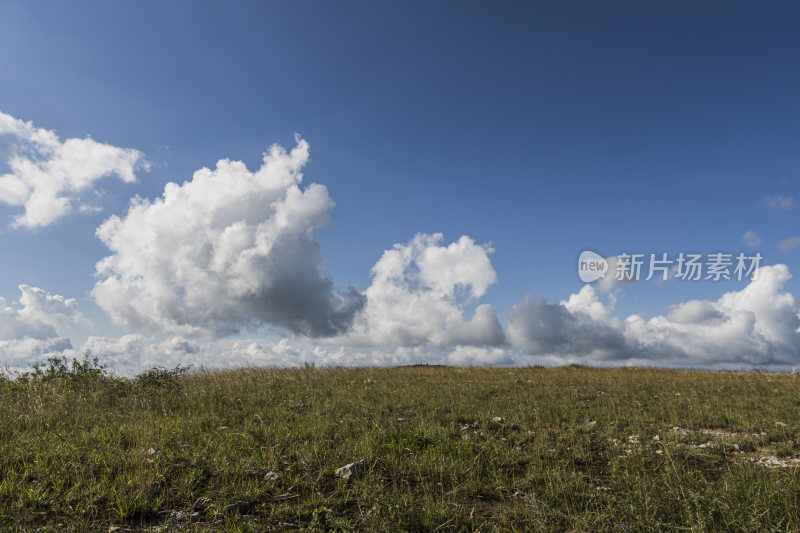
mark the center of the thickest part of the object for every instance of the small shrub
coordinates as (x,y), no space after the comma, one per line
(75,373)
(159,378)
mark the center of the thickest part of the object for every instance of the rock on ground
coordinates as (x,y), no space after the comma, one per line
(352,471)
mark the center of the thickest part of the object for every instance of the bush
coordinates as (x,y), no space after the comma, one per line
(161,378)
(88,370)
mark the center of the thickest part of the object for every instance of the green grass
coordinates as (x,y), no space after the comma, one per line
(576,450)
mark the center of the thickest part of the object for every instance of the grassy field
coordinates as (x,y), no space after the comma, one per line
(446,449)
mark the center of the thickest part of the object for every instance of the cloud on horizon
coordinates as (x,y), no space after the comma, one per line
(48,175)
(757,326)
(31,332)
(130,354)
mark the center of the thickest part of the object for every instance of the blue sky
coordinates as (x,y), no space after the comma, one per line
(540,128)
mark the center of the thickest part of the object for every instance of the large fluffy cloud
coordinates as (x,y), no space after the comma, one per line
(47,174)
(229,249)
(757,325)
(419,292)
(580,326)
(30,332)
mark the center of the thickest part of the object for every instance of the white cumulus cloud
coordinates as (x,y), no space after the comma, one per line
(581,326)
(479,356)
(30,332)
(47,175)
(419,292)
(227,250)
(757,325)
